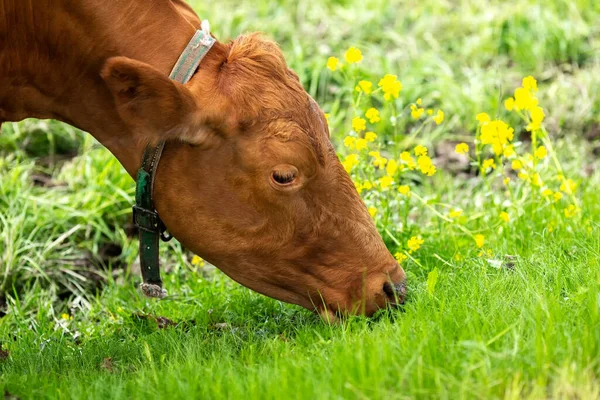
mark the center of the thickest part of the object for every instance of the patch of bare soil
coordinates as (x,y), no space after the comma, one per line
(45,180)
(3,354)
(10,396)
(447,159)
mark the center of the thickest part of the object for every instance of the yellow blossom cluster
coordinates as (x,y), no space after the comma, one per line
(364,86)
(496,133)
(414,243)
(524,100)
(372,115)
(391,86)
(381,174)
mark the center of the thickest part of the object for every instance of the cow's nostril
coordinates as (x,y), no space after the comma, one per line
(388,289)
(400,291)
(396,293)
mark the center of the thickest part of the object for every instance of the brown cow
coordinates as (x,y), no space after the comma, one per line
(248,180)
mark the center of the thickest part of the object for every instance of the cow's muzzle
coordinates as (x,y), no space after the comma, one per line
(396,293)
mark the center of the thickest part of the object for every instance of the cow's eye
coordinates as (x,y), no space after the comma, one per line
(284,175)
(283,178)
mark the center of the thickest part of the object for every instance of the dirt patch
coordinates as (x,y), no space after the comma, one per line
(107,364)
(3,306)
(161,322)
(10,396)
(45,180)
(448,159)
(164,322)
(593,136)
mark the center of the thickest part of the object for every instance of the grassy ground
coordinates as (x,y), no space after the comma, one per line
(517,318)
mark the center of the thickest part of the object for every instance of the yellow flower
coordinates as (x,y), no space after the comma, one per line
(455,213)
(364,86)
(537,117)
(462,148)
(373,115)
(496,133)
(509,151)
(391,86)
(404,189)
(415,112)
(350,162)
(391,168)
(361,144)
(489,163)
(524,99)
(517,165)
(419,101)
(540,152)
(332,63)
(385,182)
(367,185)
(66,316)
(557,196)
(439,118)
(349,142)
(509,104)
(359,124)
(426,165)
(568,186)
(487,252)
(570,211)
(482,118)
(420,150)
(414,243)
(400,257)
(547,192)
(407,159)
(197,261)
(353,55)
(327,117)
(430,112)
(504,216)
(524,176)
(372,211)
(378,161)
(479,240)
(536,180)
(530,83)
(506,181)
(370,136)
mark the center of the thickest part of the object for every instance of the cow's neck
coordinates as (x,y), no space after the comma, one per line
(50,61)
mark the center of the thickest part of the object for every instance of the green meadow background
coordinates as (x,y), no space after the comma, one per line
(74,325)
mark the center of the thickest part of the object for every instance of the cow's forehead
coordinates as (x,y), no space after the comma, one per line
(306,124)
(317,131)
(303,121)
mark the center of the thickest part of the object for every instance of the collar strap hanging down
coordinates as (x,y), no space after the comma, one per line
(145,216)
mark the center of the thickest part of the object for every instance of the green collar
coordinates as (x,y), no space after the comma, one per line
(145,216)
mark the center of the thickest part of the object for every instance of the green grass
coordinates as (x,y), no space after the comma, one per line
(520,322)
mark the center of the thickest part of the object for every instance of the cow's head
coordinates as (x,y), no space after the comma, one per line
(250,181)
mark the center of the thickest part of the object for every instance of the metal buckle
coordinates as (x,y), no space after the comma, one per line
(149,220)
(145,219)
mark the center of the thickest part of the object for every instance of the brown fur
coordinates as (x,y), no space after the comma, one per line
(103,67)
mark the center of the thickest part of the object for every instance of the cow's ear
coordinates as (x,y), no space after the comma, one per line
(152,104)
